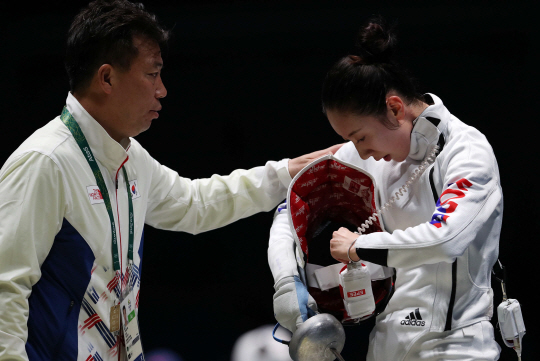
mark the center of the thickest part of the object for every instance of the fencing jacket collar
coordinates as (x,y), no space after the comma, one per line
(109,152)
(428,127)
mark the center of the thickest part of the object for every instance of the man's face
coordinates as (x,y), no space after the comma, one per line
(137,92)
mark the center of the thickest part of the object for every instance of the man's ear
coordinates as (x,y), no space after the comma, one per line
(105,74)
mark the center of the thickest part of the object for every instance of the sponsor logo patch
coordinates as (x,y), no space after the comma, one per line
(134,189)
(414,319)
(94,194)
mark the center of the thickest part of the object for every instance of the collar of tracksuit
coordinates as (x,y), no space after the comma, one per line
(108,151)
(428,127)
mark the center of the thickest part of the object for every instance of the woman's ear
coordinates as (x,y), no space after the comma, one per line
(396,108)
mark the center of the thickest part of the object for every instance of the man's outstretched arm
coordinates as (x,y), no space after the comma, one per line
(194,206)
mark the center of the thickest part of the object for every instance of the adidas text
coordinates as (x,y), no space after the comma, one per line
(414,319)
(413,323)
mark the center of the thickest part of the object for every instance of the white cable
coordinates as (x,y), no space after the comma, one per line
(403,189)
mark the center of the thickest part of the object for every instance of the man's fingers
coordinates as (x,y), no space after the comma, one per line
(296,164)
(333,149)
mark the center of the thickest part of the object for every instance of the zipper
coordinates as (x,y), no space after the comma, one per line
(451,302)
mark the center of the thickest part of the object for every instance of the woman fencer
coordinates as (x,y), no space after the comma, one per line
(441,234)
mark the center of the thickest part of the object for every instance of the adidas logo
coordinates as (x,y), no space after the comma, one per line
(414,319)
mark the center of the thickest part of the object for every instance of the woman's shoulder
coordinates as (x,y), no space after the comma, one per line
(467,146)
(347,152)
(463,136)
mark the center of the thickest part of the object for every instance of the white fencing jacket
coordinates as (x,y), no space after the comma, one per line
(56,278)
(442,236)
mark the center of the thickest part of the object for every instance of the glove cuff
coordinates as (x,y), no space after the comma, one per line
(283,281)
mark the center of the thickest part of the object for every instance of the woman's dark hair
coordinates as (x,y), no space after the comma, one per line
(102,33)
(359,83)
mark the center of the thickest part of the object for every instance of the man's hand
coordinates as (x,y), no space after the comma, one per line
(340,243)
(296,164)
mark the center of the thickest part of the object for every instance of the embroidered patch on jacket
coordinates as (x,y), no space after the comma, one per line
(134,189)
(94,194)
(414,319)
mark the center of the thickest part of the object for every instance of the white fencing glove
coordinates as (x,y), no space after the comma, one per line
(292,302)
(293,305)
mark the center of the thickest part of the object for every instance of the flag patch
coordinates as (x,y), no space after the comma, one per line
(134,189)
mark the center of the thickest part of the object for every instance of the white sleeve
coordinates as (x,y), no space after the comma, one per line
(281,246)
(469,206)
(194,206)
(31,212)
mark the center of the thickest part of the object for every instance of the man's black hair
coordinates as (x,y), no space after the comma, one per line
(102,33)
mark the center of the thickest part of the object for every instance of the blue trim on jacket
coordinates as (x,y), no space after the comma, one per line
(55,301)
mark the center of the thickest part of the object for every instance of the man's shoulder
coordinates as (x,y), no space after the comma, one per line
(46,147)
(46,140)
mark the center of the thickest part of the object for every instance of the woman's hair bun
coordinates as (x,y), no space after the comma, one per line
(375,42)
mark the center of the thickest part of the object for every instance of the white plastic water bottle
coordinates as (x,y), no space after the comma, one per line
(355,281)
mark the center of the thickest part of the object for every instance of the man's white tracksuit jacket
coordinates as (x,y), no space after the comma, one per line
(442,238)
(56,278)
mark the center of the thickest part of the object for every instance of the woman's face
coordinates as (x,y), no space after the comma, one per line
(372,138)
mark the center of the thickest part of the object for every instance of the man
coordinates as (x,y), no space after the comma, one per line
(74,197)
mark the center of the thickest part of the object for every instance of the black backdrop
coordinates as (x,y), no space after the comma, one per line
(243,80)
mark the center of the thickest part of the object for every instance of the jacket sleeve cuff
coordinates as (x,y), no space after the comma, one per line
(377,256)
(282,168)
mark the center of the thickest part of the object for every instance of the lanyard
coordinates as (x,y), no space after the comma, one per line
(77,133)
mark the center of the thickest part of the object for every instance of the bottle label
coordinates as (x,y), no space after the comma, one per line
(356,293)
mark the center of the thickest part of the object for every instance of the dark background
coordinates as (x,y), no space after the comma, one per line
(243,80)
